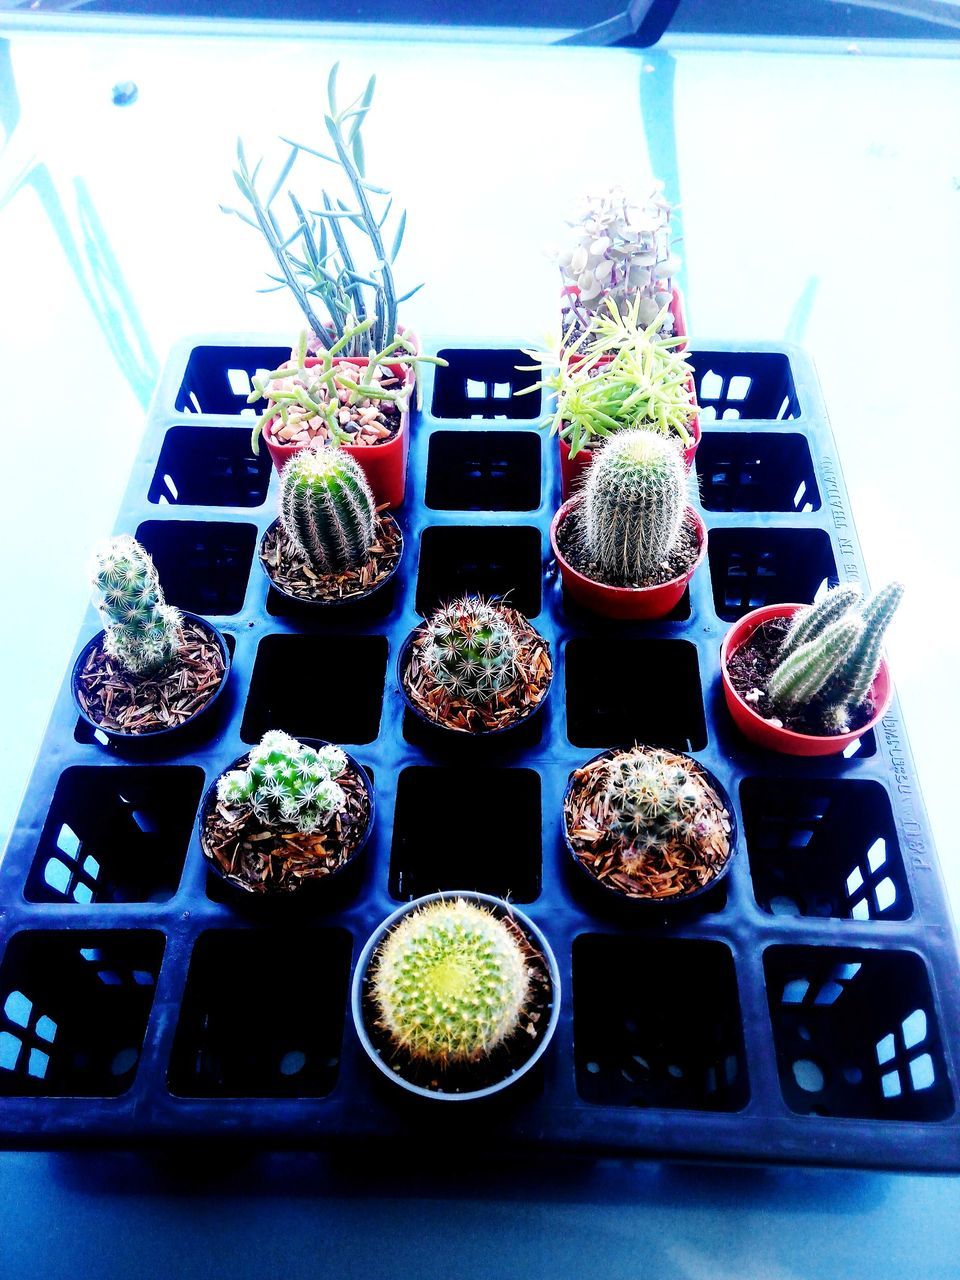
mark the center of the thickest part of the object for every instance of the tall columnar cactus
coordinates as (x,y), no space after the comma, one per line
(634,504)
(832,653)
(450,982)
(143,633)
(655,799)
(286,783)
(327,509)
(471,649)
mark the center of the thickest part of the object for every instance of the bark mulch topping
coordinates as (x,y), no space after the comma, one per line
(280,860)
(515,701)
(293,574)
(500,1063)
(749,669)
(682,557)
(670,871)
(128,704)
(370,422)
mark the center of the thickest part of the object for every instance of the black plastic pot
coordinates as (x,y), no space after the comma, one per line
(157,735)
(311,888)
(666,909)
(327,606)
(446,733)
(358,1000)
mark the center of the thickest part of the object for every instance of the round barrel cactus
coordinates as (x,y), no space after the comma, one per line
(327,509)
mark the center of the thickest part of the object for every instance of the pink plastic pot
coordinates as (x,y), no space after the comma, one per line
(384,465)
(762,732)
(676,310)
(631,604)
(572,469)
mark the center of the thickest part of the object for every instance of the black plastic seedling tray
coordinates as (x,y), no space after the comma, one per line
(808,1014)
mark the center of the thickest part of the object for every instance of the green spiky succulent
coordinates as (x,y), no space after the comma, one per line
(634,506)
(450,982)
(327,509)
(143,633)
(831,654)
(286,783)
(471,649)
(656,799)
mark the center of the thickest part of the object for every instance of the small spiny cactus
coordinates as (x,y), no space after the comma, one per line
(286,783)
(143,633)
(831,654)
(656,800)
(471,649)
(634,505)
(450,982)
(327,509)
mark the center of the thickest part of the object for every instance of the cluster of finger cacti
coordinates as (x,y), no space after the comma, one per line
(287,783)
(143,633)
(450,982)
(327,509)
(471,649)
(634,505)
(831,654)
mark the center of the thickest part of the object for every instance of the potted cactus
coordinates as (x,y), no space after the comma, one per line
(648,826)
(628,544)
(475,667)
(616,376)
(286,815)
(360,403)
(330,545)
(809,680)
(153,669)
(456,996)
(619,248)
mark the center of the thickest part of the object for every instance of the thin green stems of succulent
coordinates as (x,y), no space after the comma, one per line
(328,373)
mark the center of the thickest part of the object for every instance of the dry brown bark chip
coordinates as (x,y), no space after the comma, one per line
(281,859)
(292,573)
(513,703)
(123,703)
(673,869)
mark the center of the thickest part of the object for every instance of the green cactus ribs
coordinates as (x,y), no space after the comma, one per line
(287,814)
(150,669)
(330,544)
(648,823)
(476,666)
(456,995)
(814,673)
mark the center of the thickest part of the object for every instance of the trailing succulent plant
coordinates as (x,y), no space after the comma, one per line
(614,376)
(327,509)
(143,633)
(471,649)
(317,253)
(657,801)
(831,654)
(287,784)
(619,249)
(634,506)
(450,982)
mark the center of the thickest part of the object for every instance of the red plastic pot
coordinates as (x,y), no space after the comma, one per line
(629,604)
(384,465)
(572,469)
(764,734)
(676,310)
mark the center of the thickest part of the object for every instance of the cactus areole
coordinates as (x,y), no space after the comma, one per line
(456,995)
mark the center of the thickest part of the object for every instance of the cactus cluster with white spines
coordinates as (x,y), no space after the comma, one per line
(287,783)
(656,800)
(450,982)
(831,654)
(634,505)
(327,509)
(471,649)
(143,632)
